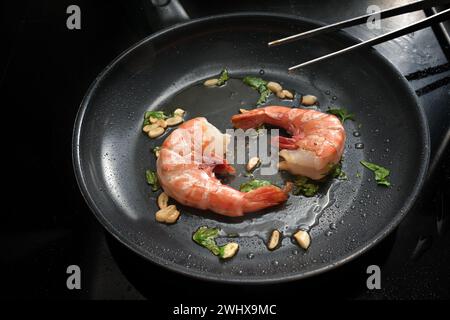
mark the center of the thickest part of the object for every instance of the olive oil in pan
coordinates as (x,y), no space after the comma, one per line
(287,221)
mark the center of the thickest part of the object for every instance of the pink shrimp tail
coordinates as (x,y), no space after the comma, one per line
(264,197)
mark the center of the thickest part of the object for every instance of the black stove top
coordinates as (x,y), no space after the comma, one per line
(48,227)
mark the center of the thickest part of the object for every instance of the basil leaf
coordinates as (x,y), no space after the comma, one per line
(152,180)
(155,114)
(260,85)
(205,237)
(223,77)
(305,186)
(254,82)
(263,97)
(254,184)
(342,114)
(381,173)
(337,172)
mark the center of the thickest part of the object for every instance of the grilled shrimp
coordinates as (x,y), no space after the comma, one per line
(188,161)
(317,141)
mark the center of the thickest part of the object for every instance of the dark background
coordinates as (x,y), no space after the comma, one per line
(45,71)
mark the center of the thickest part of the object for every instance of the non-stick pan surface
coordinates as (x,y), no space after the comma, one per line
(111,154)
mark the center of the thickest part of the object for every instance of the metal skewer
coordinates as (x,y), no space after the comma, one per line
(418,5)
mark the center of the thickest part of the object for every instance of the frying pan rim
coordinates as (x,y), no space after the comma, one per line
(89,198)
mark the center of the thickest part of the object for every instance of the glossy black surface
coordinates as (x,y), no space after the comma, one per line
(414,260)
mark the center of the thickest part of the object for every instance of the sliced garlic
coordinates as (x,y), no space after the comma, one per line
(211,82)
(149,127)
(179,112)
(153,120)
(274,240)
(169,214)
(274,87)
(280,94)
(161,123)
(288,94)
(253,163)
(303,239)
(156,132)
(230,250)
(174,121)
(163,199)
(309,100)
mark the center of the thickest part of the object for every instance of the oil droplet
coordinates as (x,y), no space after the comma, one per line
(359,145)
(327,92)
(372,150)
(328,233)
(250,256)
(334,98)
(387,150)
(387,140)
(261,72)
(275,262)
(356,134)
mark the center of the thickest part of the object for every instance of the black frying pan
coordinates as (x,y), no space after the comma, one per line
(161,72)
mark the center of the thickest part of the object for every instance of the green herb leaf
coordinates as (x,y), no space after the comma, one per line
(342,114)
(381,173)
(223,77)
(305,186)
(264,96)
(255,82)
(152,179)
(260,85)
(337,172)
(155,114)
(205,237)
(254,184)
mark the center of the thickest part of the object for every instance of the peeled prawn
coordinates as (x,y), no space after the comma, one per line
(188,161)
(317,141)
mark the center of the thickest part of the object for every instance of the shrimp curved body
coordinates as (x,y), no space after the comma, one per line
(186,167)
(317,141)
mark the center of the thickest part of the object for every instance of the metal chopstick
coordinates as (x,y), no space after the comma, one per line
(411,7)
(441,16)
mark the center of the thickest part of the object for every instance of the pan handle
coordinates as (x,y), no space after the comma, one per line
(165,13)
